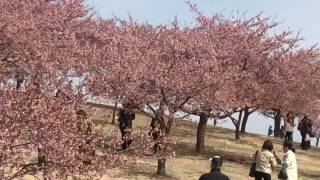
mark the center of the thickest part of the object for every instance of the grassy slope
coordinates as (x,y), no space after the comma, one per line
(188,165)
(219,141)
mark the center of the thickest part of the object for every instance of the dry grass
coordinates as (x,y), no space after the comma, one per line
(189,165)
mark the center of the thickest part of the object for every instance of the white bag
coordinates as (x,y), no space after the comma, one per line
(307,138)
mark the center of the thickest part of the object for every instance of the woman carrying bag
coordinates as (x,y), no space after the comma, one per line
(264,162)
(289,163)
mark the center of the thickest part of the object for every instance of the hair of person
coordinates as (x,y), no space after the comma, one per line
(268,145)
(216,162)
(289,145)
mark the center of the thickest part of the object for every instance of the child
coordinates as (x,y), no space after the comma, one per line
(270,131)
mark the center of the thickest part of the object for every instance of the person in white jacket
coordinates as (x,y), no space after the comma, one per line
(289,162)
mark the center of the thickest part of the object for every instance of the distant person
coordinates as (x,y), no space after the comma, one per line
(282,132)
(289,162)
(265,161)
(126,116)
(270,131)
(289,126)
(305,128)
(155,132)
(81,118)
(215,172)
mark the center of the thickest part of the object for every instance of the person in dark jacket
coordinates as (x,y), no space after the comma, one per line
(155,132)
(126,116)
(215,173)
(305,128)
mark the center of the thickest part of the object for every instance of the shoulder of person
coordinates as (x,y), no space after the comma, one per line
(204,176)
(291,153)
(225,176)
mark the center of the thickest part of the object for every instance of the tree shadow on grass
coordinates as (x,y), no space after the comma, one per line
(142,171)
(183,149)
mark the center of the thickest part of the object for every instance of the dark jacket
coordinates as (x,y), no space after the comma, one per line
(214,175)
(125,118)
(305,126)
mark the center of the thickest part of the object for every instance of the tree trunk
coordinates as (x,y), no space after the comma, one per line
(114,112)
(237,132)
(201,133)
(214,121)
(161,167)
(245,120)
(317,144)
(277,123)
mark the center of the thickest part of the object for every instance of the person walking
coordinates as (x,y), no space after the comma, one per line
(289,162)
(265,161)
(305,128)
(289,126)
(215,173)
(155,132)
(270,131)
(126,116)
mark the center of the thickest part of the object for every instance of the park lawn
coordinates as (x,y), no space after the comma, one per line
(189,165)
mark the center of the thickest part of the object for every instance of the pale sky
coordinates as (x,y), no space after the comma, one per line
(297,15)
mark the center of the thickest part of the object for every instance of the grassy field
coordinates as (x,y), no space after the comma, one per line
(189,165)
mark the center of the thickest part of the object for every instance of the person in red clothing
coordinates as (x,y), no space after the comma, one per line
(215,173)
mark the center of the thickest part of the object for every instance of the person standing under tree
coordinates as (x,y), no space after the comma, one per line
(282,132)
(265,161)
(305,128)
(289,126)
(126,116)
(155,132)
(215,173)
(270,131)
(289,162)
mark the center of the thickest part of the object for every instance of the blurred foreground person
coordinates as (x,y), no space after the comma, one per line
(289,169)
(264,161)
(215,173)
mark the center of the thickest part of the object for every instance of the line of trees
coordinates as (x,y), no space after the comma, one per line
(218,67)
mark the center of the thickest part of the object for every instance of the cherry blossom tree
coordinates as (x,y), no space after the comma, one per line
(42,44)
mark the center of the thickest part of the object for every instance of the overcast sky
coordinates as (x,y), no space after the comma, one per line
(296,15)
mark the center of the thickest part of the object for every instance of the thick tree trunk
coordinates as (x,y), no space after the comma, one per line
(245,120)
(114,112)
(165,128)
(201,133)
(277,123)
(161,167)
(214,121)
(237,132)
(317,144)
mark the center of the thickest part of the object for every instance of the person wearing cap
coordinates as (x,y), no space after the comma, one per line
(215,173)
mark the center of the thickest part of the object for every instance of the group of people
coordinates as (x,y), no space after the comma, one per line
(304,126)
(265,161)
(126,116)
